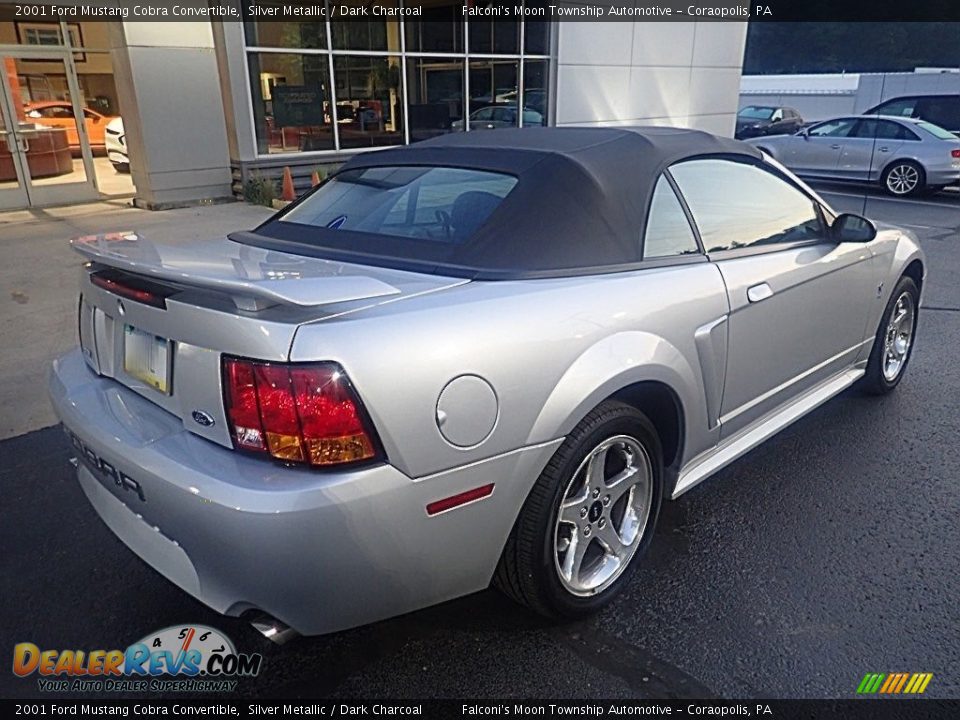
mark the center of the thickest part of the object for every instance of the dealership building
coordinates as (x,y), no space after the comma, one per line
(208,105)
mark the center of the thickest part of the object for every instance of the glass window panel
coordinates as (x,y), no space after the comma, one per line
(536,77)
(668,230)
(494,37)
(349,33)
(435,96)
(439,29)
(291,102)
(900,106)
(834,128)
(536,34)
(441,204)
(493,83)
(940,110)
(369,100)
(737,205)
(312,35)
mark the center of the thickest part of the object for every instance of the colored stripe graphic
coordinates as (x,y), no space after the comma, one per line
(903,680)
(894,683)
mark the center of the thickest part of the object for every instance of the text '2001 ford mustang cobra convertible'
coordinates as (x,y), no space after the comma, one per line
(484,358)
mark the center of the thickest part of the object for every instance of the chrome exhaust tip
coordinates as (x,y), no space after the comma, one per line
(272,629)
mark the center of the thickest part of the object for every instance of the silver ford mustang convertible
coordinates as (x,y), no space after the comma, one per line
(484,358)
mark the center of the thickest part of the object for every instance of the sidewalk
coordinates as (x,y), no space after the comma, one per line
(38,287)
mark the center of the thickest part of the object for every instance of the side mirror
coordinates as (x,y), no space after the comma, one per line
(852,228)
(804,133)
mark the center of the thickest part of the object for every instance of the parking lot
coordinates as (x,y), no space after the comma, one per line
(828,552)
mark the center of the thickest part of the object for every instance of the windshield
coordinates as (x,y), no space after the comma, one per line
(936,130)
(753,112)
(442,204)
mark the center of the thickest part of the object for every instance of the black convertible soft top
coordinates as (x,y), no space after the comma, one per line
(579,205)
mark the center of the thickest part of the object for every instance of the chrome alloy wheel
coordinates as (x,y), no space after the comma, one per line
(902,179)
(898,336)
(603,513)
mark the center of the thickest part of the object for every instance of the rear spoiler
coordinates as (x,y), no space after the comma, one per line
(254,278)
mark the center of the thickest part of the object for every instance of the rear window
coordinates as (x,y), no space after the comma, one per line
(936,131)
(440,204)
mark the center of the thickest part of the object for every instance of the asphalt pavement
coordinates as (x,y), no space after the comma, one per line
(827,553)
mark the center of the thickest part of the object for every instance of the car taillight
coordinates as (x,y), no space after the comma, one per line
(955,153)
(296,413)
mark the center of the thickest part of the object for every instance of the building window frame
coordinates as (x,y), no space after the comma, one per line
(466,57)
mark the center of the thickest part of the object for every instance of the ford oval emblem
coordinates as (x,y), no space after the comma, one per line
(202,418)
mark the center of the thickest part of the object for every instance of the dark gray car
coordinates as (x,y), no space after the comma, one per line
(759,120)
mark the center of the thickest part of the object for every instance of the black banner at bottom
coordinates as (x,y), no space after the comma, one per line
(893,709)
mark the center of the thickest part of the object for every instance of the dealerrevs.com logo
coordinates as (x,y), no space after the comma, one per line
(191,658)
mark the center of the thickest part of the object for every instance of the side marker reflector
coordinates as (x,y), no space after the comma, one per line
(439,506)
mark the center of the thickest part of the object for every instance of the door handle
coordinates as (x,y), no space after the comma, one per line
(834,147)
(884,149)
(756,293)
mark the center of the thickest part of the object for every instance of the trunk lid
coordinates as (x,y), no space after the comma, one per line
(214,297)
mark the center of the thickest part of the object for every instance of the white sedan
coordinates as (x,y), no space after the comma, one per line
(115,141)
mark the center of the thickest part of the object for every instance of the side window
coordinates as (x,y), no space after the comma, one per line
(52,111)
(483,114)
(738,205)
(942,111)
(900,106)
(881,130)
(668,230)
(834,128)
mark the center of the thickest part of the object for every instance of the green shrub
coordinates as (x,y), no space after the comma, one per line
(260,190)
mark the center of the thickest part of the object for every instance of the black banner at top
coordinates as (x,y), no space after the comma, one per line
(473,709)
(490,10)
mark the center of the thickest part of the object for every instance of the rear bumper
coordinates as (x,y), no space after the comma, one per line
(943,176)
(320,551)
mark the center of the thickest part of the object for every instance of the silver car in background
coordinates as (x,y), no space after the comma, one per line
(487,357)
(905,156)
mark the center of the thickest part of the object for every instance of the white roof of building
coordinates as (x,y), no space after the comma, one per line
(819,84)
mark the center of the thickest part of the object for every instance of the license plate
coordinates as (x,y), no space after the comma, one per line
(146,357)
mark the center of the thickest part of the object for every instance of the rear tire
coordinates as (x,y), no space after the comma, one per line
(580,535)
(904,178)
(893,344)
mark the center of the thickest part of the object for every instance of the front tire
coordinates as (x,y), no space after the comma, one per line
(893,343)
(589,518)
(904,178)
